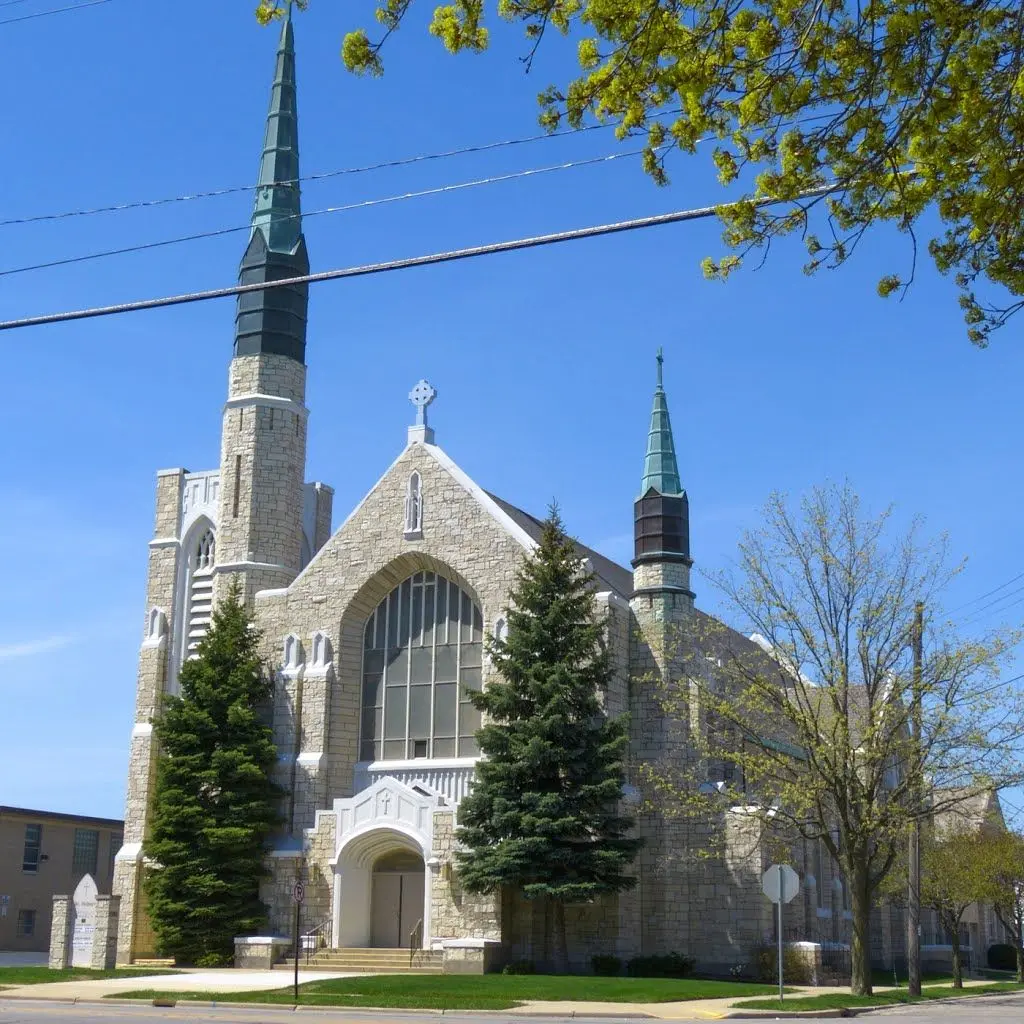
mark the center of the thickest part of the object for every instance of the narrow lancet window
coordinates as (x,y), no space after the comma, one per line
(414,507)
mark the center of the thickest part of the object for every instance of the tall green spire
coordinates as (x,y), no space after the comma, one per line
(274,321)
(661,472)
(277,210)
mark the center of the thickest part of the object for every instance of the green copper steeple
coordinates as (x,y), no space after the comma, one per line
(277,210)
(274,321)
(661,472)
(661,515)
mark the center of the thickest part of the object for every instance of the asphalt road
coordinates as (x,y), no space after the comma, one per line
(1007,1009)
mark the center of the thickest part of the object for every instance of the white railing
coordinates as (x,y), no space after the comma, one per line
(452,779)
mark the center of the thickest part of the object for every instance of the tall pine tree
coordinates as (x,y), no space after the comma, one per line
(543,815)
(214,807)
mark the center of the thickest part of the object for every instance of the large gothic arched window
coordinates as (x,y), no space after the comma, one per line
(422,650)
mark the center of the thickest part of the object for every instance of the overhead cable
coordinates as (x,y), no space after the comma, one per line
(58,10)
(366,270)
(362,204)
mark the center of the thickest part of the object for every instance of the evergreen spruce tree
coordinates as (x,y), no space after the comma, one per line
(543,814)
(214,807)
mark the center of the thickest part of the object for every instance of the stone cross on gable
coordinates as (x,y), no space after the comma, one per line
(421,396)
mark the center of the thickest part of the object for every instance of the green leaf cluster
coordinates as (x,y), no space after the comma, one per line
(214,806)
(543,816)
(897,106)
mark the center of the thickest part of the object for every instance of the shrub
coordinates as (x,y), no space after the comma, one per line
(519,967)
(796,970)
(669,965)
(606,965)
(1002,957)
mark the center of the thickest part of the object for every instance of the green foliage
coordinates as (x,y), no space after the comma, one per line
(795,968)
(1002,957)
(667,965)
(606,965)
(519,967)
(214,807)
(854,114)
(542,817)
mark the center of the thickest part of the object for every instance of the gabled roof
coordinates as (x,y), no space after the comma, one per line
(616,577)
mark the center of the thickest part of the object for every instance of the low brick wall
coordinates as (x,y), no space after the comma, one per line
(471,956)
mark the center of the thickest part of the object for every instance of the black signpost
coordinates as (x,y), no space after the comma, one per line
(298,895)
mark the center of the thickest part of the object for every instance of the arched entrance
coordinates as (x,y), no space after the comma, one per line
(396,898)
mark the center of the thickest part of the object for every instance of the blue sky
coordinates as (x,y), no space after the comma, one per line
(543,359)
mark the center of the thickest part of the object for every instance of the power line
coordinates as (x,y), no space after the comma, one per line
(363,204)
(324,175)
(320,176)
(988,593)
(366,270)
(58,10)
(973,617)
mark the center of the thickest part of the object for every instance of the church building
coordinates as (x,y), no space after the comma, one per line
(375,630)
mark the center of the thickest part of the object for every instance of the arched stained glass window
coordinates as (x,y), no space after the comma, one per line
(422,650)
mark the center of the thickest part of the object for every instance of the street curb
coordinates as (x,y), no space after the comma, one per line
(855,1011)
(309,1008)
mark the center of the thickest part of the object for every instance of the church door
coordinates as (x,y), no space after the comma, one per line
(396,899)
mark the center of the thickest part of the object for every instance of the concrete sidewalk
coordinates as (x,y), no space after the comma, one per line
(227,980)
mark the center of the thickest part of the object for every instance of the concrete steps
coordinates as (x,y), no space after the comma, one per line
(370,961)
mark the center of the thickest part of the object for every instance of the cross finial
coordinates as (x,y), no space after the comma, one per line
(421,396)
(661,360)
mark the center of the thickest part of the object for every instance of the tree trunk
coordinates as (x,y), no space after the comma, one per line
(860,944)
(958,969)
(561,943)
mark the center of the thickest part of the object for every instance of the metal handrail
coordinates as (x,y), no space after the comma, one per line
(415,940)
(316,938)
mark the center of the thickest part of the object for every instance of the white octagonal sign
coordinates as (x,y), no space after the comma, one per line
(780,883)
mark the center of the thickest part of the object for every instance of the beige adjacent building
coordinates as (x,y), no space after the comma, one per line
(44,854)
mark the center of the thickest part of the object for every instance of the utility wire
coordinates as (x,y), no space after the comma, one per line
(366,270)
(988,593)
(324,175)
(363,204)
(975,614)
(58,10)
(320,176)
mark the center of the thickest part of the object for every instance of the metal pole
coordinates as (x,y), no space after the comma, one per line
(916,796)
(780,942)
(298,907)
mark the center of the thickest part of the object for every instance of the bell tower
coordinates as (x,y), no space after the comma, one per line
(263,439)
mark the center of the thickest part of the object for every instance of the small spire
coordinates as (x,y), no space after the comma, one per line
(661,471)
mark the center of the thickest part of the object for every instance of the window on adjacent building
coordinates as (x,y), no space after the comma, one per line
(26,923)
(116,839)
(86,851)
(33,847)
(422,652)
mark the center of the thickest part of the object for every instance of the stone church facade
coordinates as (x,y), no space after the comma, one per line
(376,631)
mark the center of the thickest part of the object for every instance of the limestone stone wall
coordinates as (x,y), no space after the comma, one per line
(320,845)
(276,892)
(154,663)
(455,913)
(263,457)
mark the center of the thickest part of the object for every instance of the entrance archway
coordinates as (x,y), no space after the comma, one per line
(396,899)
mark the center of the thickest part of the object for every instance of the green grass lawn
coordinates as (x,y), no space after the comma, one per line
(476,992)
(841,1000)
(13,976)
